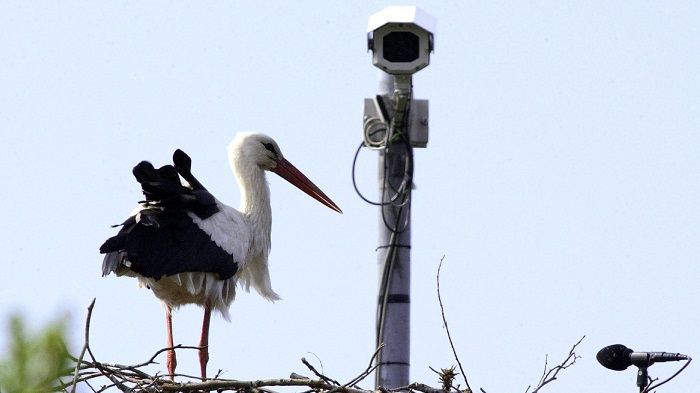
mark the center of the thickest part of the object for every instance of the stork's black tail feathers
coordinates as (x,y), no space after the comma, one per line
(163,222)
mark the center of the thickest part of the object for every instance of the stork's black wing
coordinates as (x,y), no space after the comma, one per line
(162,239)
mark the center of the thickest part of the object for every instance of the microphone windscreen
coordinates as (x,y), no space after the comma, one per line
(615,357)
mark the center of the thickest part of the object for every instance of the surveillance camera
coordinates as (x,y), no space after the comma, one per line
(401,39)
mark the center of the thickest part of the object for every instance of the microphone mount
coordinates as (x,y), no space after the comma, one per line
(618,357)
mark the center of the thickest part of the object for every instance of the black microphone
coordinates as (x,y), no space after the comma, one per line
(618,357)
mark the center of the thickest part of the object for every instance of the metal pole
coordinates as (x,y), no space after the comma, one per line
(393,308)
(401,40)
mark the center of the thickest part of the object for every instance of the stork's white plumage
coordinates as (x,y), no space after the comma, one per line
(189,248)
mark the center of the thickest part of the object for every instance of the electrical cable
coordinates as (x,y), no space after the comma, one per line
(406,181)
(401,205)
(371,126)
(404,189)
(654,386)
(396,187)
(395,230)
(389,260)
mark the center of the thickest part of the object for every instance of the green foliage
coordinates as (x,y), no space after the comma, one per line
(34,361)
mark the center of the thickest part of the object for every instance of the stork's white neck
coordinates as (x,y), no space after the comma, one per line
(255,193)
(255,201)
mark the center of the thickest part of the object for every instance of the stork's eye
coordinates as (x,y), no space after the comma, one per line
(269,146)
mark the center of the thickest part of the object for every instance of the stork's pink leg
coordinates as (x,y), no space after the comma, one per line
(170,361)
(204,342)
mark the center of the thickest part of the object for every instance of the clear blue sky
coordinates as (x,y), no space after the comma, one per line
(561,182)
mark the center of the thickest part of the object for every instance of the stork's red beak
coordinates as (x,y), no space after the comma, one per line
(290,173)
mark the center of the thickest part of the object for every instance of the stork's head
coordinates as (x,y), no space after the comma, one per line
(250,150)
(254,148)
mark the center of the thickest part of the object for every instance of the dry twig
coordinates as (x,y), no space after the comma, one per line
(551,374)
(448,375)
(447,329)
(318,374)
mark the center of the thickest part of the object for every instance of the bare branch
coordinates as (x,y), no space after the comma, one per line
(235,385)
(318,374)
(447,329)
(155,355)
(370,367)
(420,387)
(551,374)
(86,344)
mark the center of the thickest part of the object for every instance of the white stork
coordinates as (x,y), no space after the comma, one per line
(188,247)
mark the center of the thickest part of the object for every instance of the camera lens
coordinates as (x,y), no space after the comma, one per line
(401,47)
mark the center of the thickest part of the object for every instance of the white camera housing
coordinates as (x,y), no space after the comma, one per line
(401,39)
